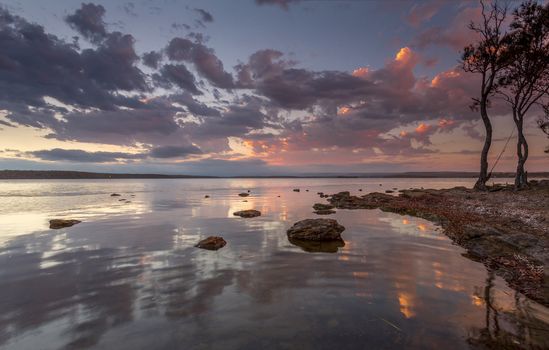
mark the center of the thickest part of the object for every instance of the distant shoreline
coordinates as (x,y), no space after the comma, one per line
(56,174)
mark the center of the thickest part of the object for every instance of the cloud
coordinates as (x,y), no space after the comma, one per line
(74,155)
(455,35)
(178,75)
(204,59)
(88,21)
(284,4)
(174,151)
(423,11)
(151,59)
(204,15)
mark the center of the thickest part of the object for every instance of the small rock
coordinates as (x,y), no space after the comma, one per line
(121,200)
(61,223)
(250,213)
(296,189)
(316,230)
(206,196)
(360,190)
(389,191)
(324,212)
(243,194)
(211,243)
(306,190)
(115,195)
(321,206)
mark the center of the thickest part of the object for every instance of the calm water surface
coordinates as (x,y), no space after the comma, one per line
(128,277)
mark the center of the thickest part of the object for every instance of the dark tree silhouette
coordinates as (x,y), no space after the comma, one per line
(525,82)
(544,123)
(487,57)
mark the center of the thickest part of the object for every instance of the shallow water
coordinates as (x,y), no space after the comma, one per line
(128,277)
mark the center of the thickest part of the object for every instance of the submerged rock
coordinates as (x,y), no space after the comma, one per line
(243,194)
(324,212)
(211,243)
(316,230)
(250,213)
(321,206)
(318,246)
(61,223)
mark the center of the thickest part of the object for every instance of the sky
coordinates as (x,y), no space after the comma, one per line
(245,87)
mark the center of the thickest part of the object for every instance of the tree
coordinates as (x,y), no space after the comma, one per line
(544,123)
(488,58)
(525,82)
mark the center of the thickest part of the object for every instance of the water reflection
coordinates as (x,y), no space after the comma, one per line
(318,246)
(125,283)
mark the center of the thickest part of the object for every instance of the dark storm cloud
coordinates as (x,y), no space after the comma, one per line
(204,59)
(151,59)
(174,151)
(74,155)
(178,75)
(297,88)
(205,16)
(88,21)
(34,64)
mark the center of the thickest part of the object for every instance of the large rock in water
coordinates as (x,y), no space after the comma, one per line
(250,213)
(316,230)
(61,223)
(211,243)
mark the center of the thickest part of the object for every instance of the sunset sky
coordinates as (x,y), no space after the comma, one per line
(244,87)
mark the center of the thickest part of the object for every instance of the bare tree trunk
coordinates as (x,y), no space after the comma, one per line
(484,176)
(521,180)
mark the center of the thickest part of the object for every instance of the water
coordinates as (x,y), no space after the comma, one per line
(128,277)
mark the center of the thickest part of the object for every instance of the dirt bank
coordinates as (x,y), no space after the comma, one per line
(505,229)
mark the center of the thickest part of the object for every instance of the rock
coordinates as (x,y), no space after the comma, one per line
(306,190)
(121,200)
(243,194)
(61,223)
(115,195)
(321,206)
(278,196)
(324,212)
(211,243)
(316,230)
(245,201)
(206,196)
(250,213)
(389,191)
(360,190)
(296,189)
(318,246)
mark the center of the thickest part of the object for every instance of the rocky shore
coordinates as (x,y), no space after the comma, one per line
(505,229)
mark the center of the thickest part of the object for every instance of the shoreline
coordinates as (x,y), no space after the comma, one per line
(506,230)
(66,175)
